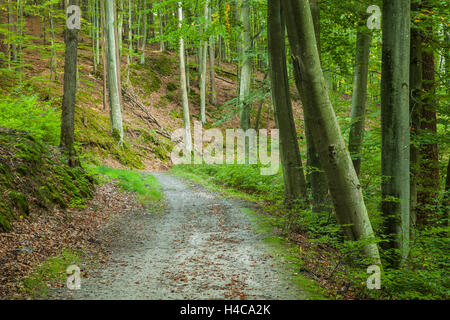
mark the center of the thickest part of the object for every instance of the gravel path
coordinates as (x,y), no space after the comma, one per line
(202,247)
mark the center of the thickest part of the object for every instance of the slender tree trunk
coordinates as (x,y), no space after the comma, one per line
(212,67)
(261,102)
(204,59)
(12,25)
(446,200)
(316,177)
(97,31)
(144,35)
(113,83)
(415,106)
(20,27)
(151,21)
(130,40)
(162,46)
(69,97)
(294,178)
(120,28)
(104,45)
(53,61)
(343,182)
(395,153)
(428,193)
(186,116)
(92,16)
(246,69)
(188,73)
(361,72)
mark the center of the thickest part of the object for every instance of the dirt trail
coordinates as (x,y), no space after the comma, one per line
(202,247)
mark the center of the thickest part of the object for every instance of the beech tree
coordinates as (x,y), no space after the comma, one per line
(113,67)
(70,88)
(293,175)
(356,136)
(186,117)
(246,66)
(343,181)
(395,152)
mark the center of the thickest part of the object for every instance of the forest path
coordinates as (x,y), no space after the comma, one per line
(202,247)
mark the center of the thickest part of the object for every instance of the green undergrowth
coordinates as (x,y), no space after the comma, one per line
(285,252)
(145,185)
(52,271)
(148,75)
(94,139)
(243,179)
(34,178)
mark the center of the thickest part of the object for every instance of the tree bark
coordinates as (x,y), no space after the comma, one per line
(212,67)
(343,182)
(186,116)
(204,58)
(144,35)
(293,175)
(113,83)
(246,69)
(359,98)
(415,105)
(395,136)
(428,192)
(316,177)
(69,96)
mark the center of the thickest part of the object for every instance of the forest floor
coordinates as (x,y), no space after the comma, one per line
(202,246)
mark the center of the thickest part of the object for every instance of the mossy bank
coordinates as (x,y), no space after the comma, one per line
(35,178)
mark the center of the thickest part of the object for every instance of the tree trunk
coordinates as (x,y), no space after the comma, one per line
(246,69)
(359,98)
(343,182)
(69,96)
(104,45)
(316,177)
(144,39)
(204,58)
(53,61)
(162,46)
(415,83)
(113,85)
(395,153)
(130,40)
(186,116)
(12,22)
(120,28)
(428,192)
(294,178)
(212,67)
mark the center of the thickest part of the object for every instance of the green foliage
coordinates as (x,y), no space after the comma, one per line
(145,185)
(27,113)
(53,270)
(246,178)
(93,138)
(49,180)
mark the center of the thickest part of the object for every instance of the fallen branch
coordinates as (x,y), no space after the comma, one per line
(134,101)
